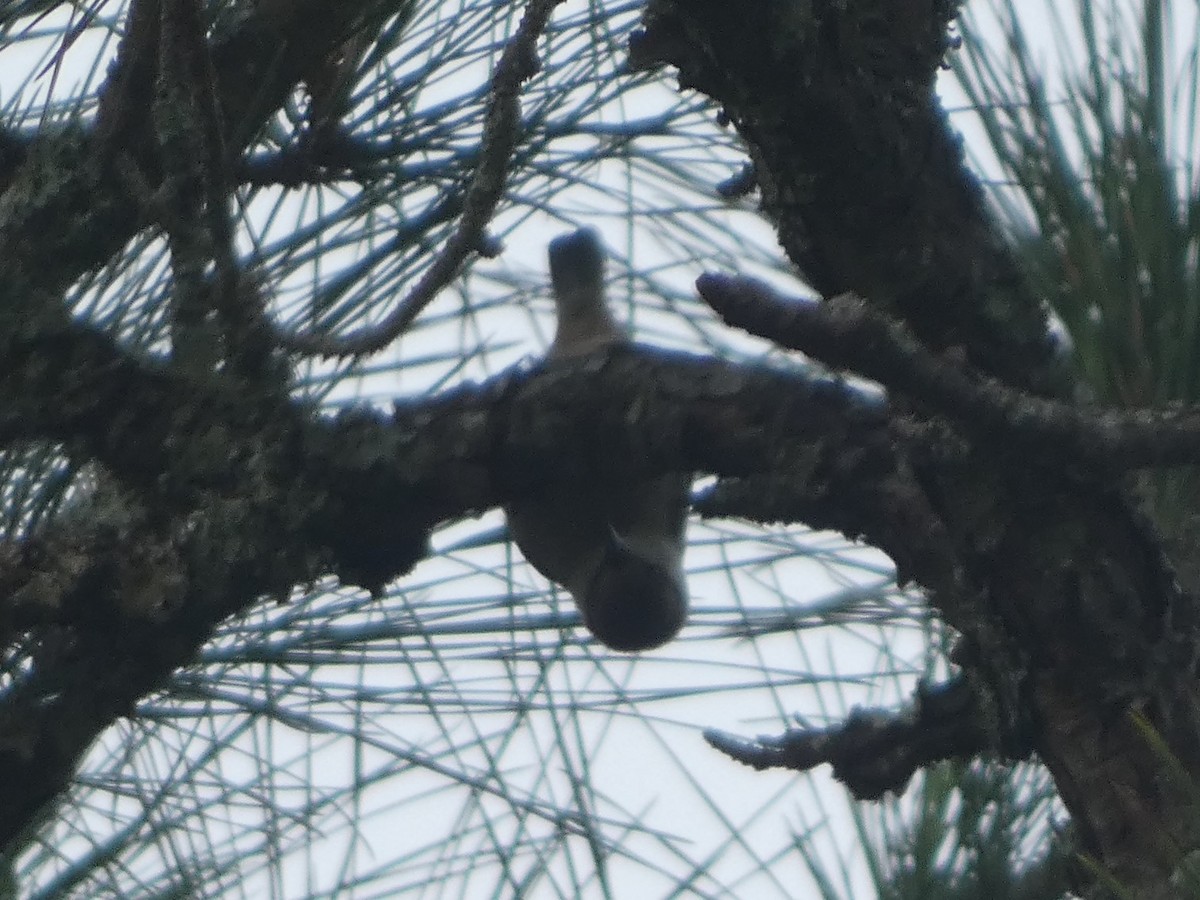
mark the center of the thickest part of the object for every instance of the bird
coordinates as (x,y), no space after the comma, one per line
(616,547)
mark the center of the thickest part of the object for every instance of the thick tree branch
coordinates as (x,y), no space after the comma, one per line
(251,497)
(1078,619)
(68,207)
(857,164)
(846,333)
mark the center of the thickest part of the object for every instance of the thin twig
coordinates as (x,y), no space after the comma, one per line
(501,127)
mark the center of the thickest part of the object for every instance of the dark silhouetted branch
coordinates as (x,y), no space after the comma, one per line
(874,751)
(501,130)
(847,333)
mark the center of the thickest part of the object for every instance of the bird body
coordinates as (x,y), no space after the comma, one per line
(617,548)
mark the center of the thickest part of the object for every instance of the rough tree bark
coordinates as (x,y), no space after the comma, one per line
(1076,638)
(1078,642)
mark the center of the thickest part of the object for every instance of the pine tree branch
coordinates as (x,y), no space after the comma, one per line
(846,333)
(501,132)
(875,751)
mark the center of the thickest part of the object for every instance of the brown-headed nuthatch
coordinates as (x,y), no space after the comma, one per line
(618,548)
